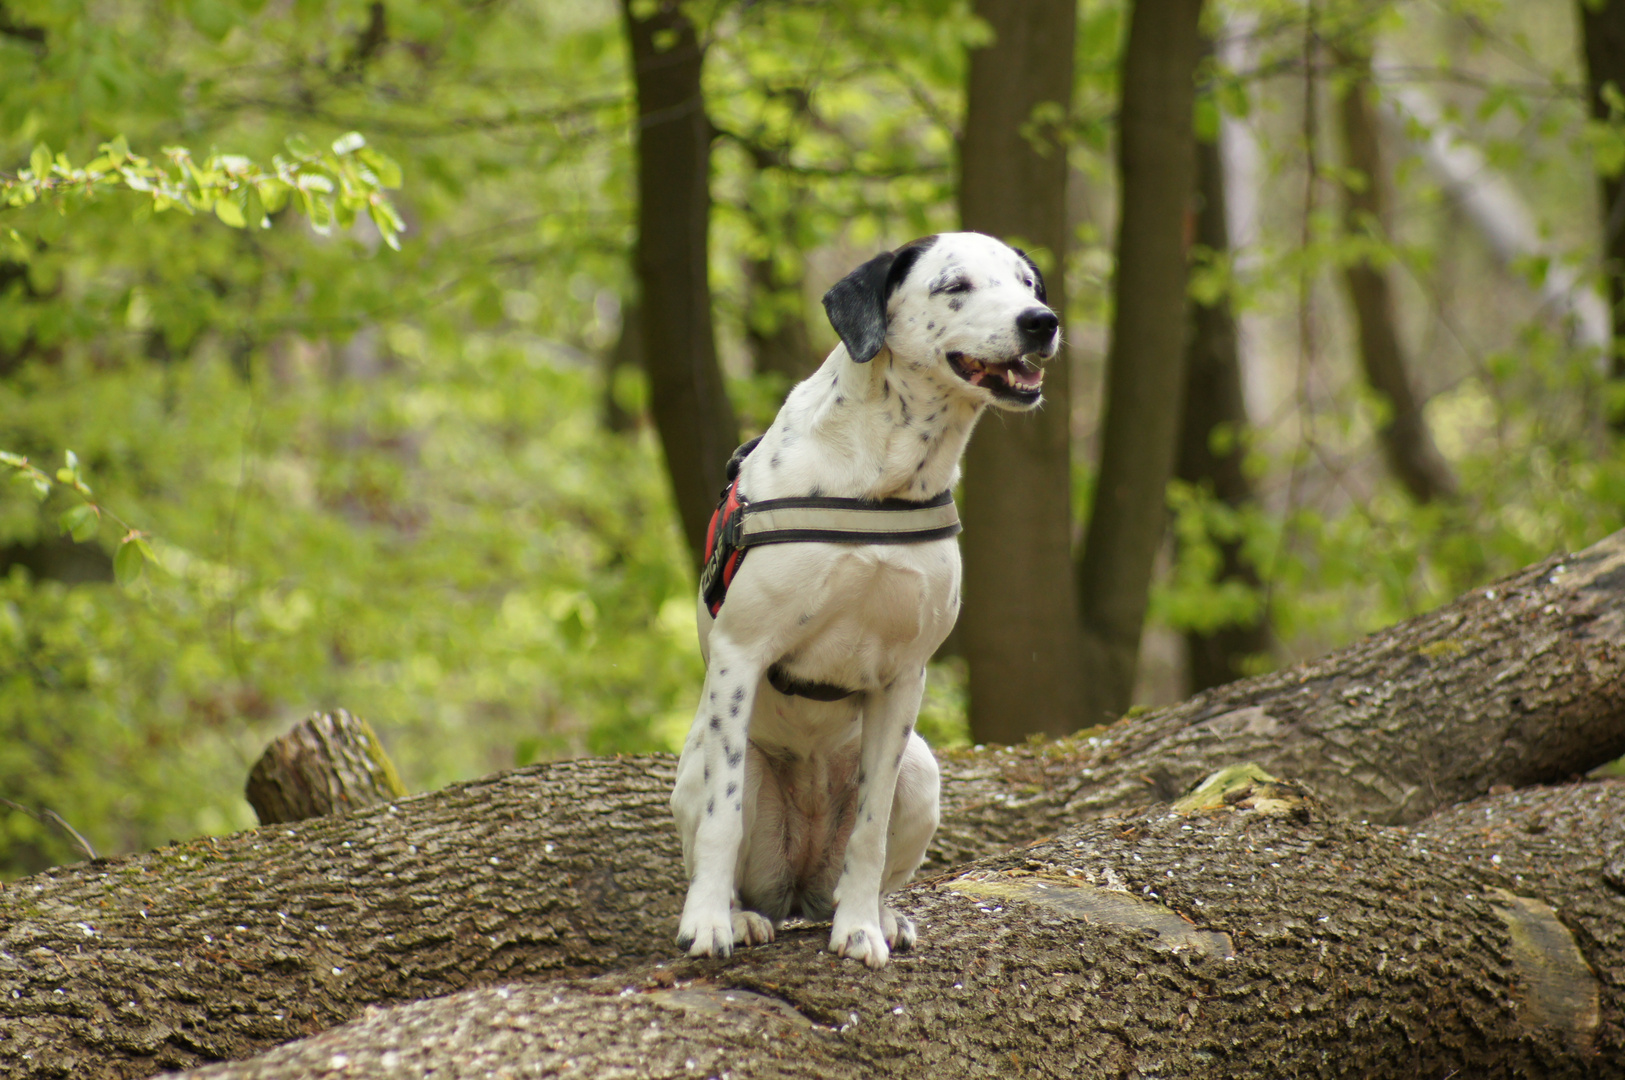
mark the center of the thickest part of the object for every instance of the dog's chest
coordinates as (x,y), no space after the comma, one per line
(868,613)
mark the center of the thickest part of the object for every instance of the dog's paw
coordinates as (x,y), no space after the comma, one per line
(751,928)
(899,930)
(704,933)
(865,943)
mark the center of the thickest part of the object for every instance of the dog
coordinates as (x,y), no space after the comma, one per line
(802,788)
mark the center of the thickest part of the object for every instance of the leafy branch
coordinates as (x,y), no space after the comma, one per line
(329,185)
(82,520)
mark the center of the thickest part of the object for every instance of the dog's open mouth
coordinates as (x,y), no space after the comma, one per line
(1019,379)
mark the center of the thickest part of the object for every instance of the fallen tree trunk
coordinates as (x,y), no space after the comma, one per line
(222,947)
(1256,939)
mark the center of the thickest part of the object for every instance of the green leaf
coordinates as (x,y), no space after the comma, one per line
(230,213)
(300,146)
(40,161)
(81,522)
(348,143)
(388,172)
(130,560)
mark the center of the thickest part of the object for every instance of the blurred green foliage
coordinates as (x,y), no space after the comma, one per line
(380,480)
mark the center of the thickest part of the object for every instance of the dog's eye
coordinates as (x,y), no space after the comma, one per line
(1027,282)
(957,286)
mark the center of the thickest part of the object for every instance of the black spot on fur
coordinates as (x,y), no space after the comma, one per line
(930,326)
(716,722)
(816,491)
(840,400)
(733,710)
(710,807)
(738,695)
(956,303)
(925,436)
(708,773)
(733,786)
(738,808)
(722,671)
(773,462)
(806,617)
(734,758)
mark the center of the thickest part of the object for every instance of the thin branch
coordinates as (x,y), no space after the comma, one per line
(51,817)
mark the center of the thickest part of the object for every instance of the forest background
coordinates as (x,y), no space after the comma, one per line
(428,484)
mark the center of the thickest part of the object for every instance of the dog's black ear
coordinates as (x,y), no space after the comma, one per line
(1038,276)
(856,306)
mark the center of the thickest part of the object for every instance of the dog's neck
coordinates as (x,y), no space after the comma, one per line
(883,430)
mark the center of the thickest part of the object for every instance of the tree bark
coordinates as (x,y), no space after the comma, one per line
(687,397)
(1214,405)
(1144,369)
(1602,30)
(223,947)
(1259,937)
(1019,628)
(1406,441)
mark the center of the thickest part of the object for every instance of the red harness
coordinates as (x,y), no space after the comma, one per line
(722,551)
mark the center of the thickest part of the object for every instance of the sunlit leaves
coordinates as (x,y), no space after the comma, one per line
(331,185)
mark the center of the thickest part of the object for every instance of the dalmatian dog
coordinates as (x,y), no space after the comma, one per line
(803,788)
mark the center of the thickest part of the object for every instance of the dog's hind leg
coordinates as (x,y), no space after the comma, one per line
(888,724)
(708,802)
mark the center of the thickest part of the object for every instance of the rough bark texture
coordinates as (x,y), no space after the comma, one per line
(1602,29)
(221,948)
(1214,408)
(1019,628)
(1406,441)
(331,763)
(1259,939)
(1144,369)
(690,406)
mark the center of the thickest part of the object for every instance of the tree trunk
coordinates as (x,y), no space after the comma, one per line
(222,947)
(687,398)
(1019,629)
(1407,444)
(1262,937)
(1602,28)
(1214,408)
(1144,369)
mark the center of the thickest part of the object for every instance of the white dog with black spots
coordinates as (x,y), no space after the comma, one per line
(803,788)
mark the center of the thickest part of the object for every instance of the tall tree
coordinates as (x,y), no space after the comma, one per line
(1602,26)
(1145,366)
(1211,446)
(1019,628)
(687,398)
(1406,441)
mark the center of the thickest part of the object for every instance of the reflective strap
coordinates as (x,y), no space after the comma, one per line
(847,521)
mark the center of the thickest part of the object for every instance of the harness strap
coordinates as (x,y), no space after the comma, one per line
(738,525)
(848,521)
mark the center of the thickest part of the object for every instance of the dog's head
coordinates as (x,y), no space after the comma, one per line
(960,302)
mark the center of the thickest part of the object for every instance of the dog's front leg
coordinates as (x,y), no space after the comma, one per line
(888,721)
(709,799)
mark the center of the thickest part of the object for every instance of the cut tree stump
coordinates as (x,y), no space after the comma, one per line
(331,763)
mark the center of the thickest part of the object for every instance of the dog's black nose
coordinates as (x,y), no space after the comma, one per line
(1037,324)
